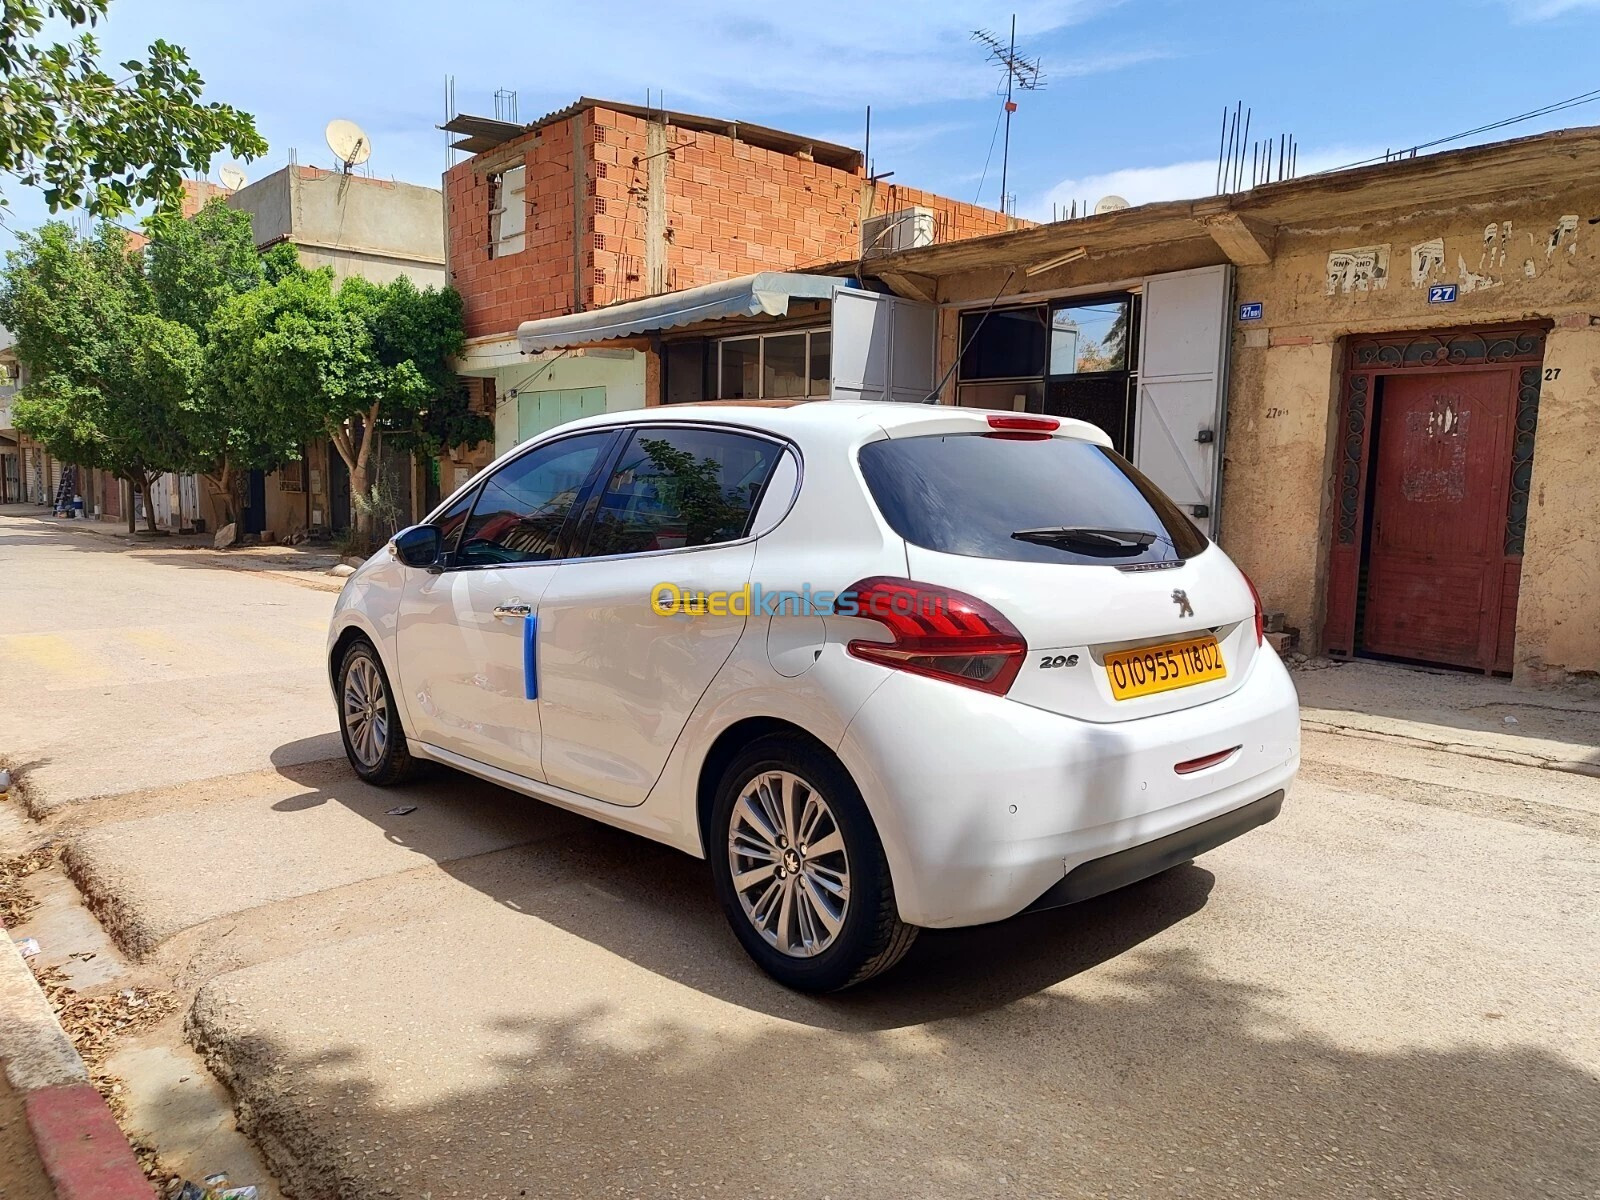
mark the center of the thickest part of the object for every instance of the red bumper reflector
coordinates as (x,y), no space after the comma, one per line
(1206,760)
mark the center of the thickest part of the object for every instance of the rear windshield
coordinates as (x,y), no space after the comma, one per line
(1072,501)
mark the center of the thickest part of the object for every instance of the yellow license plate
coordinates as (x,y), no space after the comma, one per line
(1162,668)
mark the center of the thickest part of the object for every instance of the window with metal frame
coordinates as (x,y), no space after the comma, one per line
(1073,357)
(292,476)
(784,365)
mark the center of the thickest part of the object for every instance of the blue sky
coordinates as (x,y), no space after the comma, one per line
(1133,101)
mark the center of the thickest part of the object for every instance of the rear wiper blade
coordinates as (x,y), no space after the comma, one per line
(1090,539)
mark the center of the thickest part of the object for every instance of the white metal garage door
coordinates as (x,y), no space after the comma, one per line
(1182,387)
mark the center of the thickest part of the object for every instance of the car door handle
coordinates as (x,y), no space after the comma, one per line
(513,610)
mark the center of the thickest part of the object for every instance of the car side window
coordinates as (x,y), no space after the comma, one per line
(679,487)
(523,507)
(450,521)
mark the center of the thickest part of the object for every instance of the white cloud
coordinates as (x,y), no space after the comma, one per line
(1172,181)
(1545,10)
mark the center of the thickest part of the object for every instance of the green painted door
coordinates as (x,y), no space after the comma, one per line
(538,411)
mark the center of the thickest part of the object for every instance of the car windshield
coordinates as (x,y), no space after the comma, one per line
(1029,499)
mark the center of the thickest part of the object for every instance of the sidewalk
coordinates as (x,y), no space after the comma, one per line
(306,564)
(1557,728)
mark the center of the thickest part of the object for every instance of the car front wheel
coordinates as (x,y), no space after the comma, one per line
(369,722)
(799,868)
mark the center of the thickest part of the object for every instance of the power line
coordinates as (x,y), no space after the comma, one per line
(1571,102)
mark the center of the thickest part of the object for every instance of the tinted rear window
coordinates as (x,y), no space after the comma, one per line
(968,493)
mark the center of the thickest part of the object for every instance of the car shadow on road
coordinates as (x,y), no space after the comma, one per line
(1177,1081)
(654,906)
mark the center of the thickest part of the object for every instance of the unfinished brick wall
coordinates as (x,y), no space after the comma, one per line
(731,209)
(500,292)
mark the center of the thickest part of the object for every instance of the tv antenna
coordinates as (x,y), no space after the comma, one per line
(1021,73)
(232,177)
(349,143)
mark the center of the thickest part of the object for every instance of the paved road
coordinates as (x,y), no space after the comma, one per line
(124,669)
(1388,992)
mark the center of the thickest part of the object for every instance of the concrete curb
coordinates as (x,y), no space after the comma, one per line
(84,1152)
(1313,719)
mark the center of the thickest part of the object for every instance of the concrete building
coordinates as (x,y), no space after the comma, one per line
(1379,388)
(376,228)
(603,205)
(356,225)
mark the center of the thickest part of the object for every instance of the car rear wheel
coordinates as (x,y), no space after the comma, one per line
(800,871)
(369,721)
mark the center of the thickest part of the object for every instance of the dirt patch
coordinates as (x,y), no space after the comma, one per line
(96,1022)
(16,902)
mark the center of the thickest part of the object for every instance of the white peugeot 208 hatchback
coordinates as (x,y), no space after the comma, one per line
(886,666)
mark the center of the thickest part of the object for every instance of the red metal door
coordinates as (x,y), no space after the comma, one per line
(1436,549)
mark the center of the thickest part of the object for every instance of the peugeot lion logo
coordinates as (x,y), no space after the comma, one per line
(1181,599)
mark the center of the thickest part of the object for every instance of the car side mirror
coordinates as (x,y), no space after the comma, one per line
(418,545)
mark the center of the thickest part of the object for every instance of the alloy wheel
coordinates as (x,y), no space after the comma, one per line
(366,711)
(790,868)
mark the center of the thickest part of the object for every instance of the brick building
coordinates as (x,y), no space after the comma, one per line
(603,203)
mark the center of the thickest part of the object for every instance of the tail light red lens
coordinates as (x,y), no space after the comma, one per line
(1261,619)
(940,633)
(1024,424)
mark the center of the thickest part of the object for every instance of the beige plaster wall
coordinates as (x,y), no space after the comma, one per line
(1276,472)
(1558,633)
(1528,259)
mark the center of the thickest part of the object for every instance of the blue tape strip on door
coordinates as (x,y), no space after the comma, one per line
(530,666)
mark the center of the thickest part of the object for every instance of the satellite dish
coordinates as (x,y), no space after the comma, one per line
(232,177)
(1110,204)
(349,142)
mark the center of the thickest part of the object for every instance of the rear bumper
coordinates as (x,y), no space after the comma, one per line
(985,805)
(1101,875)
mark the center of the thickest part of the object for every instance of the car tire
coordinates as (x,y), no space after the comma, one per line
(870,937)
(369,720)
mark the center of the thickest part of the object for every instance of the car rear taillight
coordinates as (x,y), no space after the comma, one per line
(940,633)
(1261,618)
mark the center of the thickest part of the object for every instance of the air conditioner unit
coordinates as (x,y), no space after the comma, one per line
(904,229)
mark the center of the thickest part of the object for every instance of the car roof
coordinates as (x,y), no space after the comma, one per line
(797,418)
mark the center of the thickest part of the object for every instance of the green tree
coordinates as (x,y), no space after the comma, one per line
(305,359)
(112,382)
(194,266)
(100,142)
